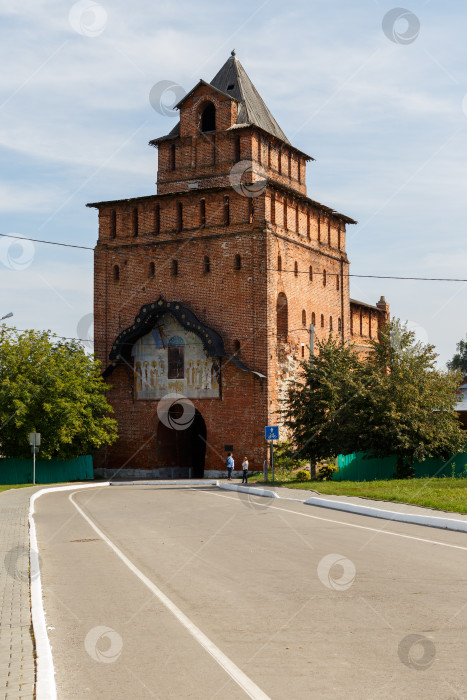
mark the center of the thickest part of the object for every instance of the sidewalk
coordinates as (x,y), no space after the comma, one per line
(17,664)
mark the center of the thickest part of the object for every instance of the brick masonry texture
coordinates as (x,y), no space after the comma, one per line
(256,269)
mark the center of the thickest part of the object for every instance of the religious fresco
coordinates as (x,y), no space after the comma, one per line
(171,359)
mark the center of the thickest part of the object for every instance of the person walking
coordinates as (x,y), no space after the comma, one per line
(245,470)
(230,465)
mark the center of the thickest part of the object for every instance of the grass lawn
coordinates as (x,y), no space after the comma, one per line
(441,494)
(5,487)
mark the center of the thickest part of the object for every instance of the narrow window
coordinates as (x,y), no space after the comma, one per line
(273,209)
(251,210)
(322,321)
(174,268)
(351,323)
(179,216)
(206,265)
(338,282)
(269,154)
(226,210)
(208,118)
(339,324)
(238,262)
(310,273)
(135,221)
(308,225)
(152,270)
(279,263)
(313,318)
(324,278)
(113,223)
(295,269)
(339,237)
(282,318)
(172,157)
(116,273)
(303,317)
(330,323)
(157,219)
(303,351)
(297,219)
(236,347)
(202,212)
(280,159)
(329,231)
(238,149)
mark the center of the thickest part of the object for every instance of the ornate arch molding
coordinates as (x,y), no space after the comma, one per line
(146,320)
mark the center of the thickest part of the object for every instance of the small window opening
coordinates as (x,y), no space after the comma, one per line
(303,351)
(231,86)
(206,265)
(152,270)
(295,269)
(339,324)
(338,282)
(322,321)
(157,219)
(208,118)
(116,273)
(310,274)
(113,224)
(313,318)
(303,317)
(202,212)
(179,216)
(226,210)
(236,347)
(324,278)
(174,268)
(238,262)
(330,323)
(279,263)
(285,213)
(135,221)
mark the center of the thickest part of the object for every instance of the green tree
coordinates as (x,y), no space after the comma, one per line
(459,360)
(394,402)
(52,387)
(316,402)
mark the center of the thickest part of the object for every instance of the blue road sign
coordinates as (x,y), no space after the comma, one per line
(272,432)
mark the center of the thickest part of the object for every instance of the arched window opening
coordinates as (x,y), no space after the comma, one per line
(338,285)
(282,316)
(303,351)
(330,323)
(113,223)
(152,270)
(157,219)
(238,262)
(303,317)
(322,321)
(116,273)
(179,216)
(208,118)
(202,212)
(279,263)
(172,157)
(206,265)
(174,268)
(295,269)
(226,210)
(313,318)
(324,278)
(134,217)
(310,274)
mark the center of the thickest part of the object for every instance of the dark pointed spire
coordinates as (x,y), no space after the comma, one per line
(233,80)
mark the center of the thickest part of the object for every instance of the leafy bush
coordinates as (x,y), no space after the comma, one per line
(325,469)
(284,457)
(302,475)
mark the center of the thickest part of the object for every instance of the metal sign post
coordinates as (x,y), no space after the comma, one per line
(34,441)
(312,342)
(271,433)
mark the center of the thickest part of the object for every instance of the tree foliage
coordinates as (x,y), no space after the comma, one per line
(52,387)
(394,402)
(459,360)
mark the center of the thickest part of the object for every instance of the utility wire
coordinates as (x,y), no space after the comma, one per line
(271,269)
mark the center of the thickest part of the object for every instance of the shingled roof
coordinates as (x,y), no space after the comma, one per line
(233,81)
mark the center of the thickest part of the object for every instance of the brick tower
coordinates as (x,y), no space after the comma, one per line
(207,289)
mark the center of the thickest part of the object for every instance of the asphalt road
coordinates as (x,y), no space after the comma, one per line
(161,592)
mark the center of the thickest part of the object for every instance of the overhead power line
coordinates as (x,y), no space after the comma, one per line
(292,271)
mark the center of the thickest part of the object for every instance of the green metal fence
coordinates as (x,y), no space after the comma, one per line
(48,471)
(360,467)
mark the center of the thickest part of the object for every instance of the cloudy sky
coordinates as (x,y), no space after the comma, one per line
(377,97)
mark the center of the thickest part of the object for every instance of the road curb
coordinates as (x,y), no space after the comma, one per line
(247,489)
(427,520)
(167,482)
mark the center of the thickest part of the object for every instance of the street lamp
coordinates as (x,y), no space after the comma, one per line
(8,315)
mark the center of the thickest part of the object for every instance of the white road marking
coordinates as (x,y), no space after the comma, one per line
(237,675)
(338,522)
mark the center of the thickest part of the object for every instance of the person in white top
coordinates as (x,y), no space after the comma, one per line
(245,470)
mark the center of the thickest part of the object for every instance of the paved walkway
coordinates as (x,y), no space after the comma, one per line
(17,665)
